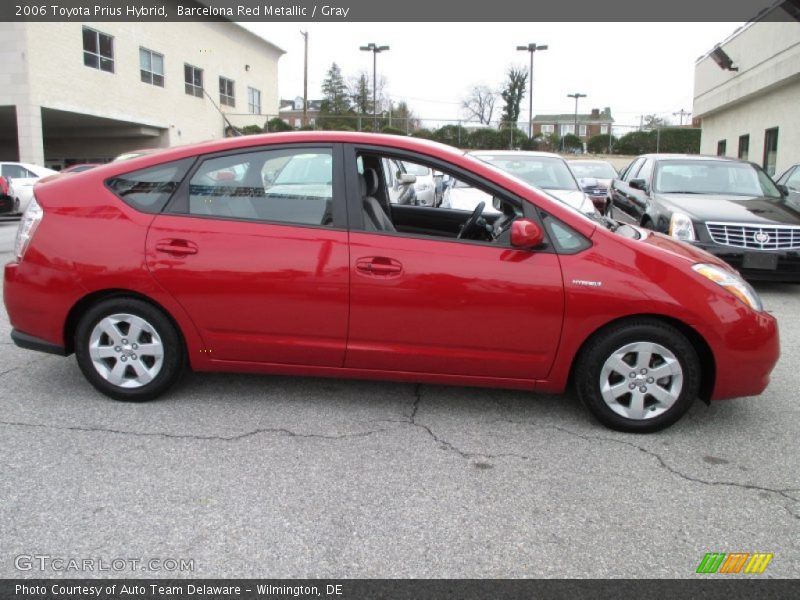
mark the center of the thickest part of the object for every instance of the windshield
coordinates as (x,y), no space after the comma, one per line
(547,173)
(713,177)
(598,170)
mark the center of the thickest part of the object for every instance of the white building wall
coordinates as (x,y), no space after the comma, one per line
(51,54)
(780,108)
(764,92)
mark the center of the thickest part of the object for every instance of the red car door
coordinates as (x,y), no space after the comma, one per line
(439,305)
(256,252)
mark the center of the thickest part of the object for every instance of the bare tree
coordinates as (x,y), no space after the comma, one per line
(479,104)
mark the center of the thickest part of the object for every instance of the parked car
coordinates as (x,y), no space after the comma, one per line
(726,206)
(6,201)
(460,195)
(21,178)
(595,177)
(399,183)
(790,180)
(315,272)
(424,186)
(544,170)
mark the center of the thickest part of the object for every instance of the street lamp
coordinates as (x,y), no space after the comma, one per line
(532,47)
(375,49)
(576,95)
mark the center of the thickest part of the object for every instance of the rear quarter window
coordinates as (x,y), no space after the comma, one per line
(149,190)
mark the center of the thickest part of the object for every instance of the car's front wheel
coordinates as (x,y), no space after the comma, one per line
(639,376)
(128,349)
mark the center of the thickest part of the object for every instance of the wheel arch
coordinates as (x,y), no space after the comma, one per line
(708,368)
(86,302)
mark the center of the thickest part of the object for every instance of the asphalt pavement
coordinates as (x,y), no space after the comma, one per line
(258,476)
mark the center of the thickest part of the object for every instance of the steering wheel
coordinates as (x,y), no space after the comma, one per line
(471,225)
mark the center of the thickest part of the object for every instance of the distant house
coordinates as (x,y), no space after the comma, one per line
(589,124)
(291,111)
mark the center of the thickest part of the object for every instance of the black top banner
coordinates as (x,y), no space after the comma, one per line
(394,589)
(449,11)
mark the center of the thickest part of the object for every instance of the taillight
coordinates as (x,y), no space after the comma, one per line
(27,227)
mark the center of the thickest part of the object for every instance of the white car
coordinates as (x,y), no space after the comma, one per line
(462,196)
(21,178)
(425,186)
(543,170)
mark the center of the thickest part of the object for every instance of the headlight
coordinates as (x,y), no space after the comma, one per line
(681,227)
(731,282)
(27,226)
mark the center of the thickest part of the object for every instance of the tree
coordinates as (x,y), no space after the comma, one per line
(479,104)
(485,138)
(277,124)
(454,135)
(572,142)
(361,94)
(512,94)
(403,117)
(599,144)
(334,91)
(653,122)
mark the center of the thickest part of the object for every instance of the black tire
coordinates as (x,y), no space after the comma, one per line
(598,355)
(170,368)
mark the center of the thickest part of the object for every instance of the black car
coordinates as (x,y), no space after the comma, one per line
(726,206)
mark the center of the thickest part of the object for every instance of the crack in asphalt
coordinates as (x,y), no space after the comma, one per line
(443,443)
(233,438)
(783,492)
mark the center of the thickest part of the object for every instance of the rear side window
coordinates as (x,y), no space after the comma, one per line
(281,186)
(149,190)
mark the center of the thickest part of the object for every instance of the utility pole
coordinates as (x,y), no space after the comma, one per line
(532,47)
(576,95)
(641,122)
(305,78)
(682,113)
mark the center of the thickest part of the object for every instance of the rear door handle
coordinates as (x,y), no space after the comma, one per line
(176,247)
(379,266)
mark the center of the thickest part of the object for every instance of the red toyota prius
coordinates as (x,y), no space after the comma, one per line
(289,254)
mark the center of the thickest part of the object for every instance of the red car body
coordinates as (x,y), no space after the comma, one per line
(274,298)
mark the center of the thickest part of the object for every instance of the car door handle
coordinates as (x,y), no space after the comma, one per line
(379,266)
(176,247)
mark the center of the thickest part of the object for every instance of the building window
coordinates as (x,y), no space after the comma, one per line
(603,129)
(98,50)
(548,128)
(226,95)
(582,129)
(253,101)
(770,150)
(722,146)
(193,78)
(744,147)
(567,129)
(151,67)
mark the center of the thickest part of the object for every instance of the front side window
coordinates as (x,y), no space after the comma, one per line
(16,172)
(148,190)
(193,78)
(283,186)
(226,92)
(151,67)
(793,180)
(98,50)
(253,101)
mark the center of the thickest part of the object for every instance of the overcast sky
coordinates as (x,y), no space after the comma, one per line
(634,68)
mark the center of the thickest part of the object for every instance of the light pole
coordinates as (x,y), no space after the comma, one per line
(305,77)
(576,95)
(532,47)
(375,49)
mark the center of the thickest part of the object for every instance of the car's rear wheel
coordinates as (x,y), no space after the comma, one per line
(639,376)
(128,349)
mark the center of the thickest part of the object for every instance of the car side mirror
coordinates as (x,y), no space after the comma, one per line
(783,189)
(526,234)
(406,178)
(639,184)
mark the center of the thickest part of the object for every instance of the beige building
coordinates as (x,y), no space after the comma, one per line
(72,92)
(747,95)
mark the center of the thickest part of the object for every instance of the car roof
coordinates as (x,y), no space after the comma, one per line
(589,160)
(514,153)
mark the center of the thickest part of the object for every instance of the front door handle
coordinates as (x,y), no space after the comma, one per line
(379,266)
(176,247)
